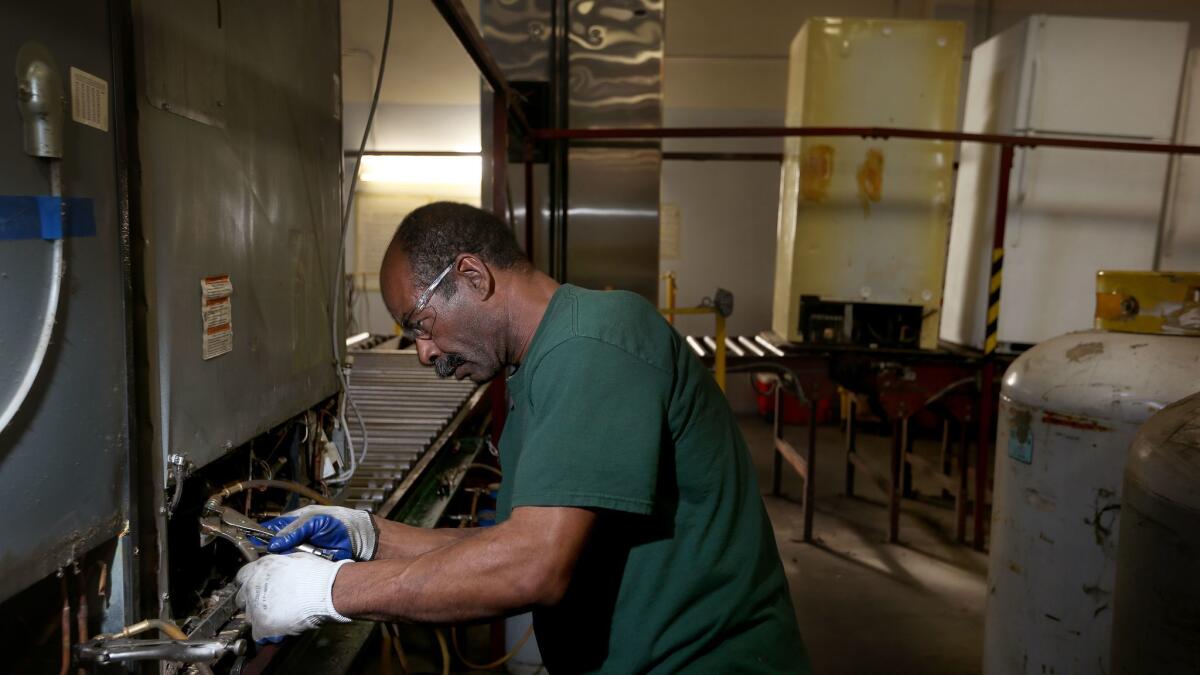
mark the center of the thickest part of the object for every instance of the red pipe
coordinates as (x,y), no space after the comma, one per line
(864,132)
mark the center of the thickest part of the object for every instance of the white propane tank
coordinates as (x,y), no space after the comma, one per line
(1069,409)
(1156,611)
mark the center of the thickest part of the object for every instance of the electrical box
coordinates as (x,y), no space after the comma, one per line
(863,222)
(1154,303)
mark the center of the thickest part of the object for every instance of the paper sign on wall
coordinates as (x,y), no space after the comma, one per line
(216,311)
(89,99)
(668,231)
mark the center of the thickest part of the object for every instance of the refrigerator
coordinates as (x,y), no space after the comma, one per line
(863,222)
(1071,212)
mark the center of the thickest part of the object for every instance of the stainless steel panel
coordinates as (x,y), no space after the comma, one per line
(612,240)
(614,79)
(611,77)
(64,457)
(518,33)
(241,160)
(615,61)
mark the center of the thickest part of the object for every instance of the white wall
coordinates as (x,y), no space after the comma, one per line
(429,101)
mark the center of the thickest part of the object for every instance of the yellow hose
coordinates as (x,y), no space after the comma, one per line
(494,664)
(441,638)
(234,488)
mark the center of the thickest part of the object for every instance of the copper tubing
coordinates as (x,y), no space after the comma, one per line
(234,488)
(486,467)
(81,613)
(66,626)
(169,629)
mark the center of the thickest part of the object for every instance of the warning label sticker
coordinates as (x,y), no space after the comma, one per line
(216,311)
(89,99)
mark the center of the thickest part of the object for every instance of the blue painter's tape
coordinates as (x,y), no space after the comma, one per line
(42,217)
(50,215)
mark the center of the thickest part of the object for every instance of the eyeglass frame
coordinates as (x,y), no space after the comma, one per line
(423,302)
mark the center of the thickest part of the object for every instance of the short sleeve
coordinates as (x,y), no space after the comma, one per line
(596,432)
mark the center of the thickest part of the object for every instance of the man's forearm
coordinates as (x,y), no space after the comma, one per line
(492,572)
(464,580)
(397,540)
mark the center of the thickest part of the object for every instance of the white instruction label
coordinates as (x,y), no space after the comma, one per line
(89,99)
(216,310)
(670,222)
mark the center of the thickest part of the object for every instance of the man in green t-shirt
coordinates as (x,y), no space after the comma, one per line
(629,515)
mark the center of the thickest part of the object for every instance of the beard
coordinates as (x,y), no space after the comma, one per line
(446,364)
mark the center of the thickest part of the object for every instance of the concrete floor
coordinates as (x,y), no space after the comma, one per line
(866,606)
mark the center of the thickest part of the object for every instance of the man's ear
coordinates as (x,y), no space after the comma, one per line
(477,275)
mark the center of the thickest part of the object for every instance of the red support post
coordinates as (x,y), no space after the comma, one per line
(499,174)
(894,485)
(810,465)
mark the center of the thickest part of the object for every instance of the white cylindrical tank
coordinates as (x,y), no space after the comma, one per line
(1069,409)
(1156,611)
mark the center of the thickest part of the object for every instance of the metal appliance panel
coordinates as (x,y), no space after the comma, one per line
(241,165)
(865,220)
(1179,248)
(1141,63)
(614,79)
(615,62)
(612,241)
(64,457)
(1075,212)
(993,93)
(1096,209)
(611,77)
(518,35)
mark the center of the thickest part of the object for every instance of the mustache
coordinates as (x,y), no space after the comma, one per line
(446,364)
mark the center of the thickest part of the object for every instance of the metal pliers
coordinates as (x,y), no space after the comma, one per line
(248,536)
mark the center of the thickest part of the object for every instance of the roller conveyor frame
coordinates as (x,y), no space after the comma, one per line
(410,414)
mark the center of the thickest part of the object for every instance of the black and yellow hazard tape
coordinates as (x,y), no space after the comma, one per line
(993,312)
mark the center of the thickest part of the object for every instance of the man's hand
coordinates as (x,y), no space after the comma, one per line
(288,594)
(348,533)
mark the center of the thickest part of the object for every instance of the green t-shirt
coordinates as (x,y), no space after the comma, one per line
(611,411)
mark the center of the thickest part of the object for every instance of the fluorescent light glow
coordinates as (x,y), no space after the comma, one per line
(355,339)
(750,345)
(710,343)
(768,346)
(423,170)
(737,351)
(695,346)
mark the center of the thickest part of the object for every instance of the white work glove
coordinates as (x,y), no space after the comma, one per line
(288,594)
(348,533)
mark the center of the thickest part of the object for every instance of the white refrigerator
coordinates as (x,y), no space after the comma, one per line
(1070,212)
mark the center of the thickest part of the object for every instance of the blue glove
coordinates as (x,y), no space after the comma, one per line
(347,533)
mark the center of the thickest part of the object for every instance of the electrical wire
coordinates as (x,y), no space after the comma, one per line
(494,664)
(340,264)
(57,270)
(302,490)
(441,638)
